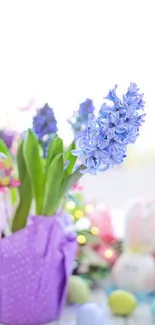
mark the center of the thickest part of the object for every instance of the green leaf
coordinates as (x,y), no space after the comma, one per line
(71,159)
(21,163)
(52,193)
(55,148)
(4,149)
(35,168)
(14,195)
(74,178)
(25,193)
(67,152)
(68,171)
(22,211)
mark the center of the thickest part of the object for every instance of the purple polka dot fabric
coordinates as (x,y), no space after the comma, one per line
(35,264)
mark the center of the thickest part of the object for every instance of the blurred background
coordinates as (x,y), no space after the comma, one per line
(63,52)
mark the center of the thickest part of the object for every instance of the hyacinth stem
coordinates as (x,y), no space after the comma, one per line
(74,178)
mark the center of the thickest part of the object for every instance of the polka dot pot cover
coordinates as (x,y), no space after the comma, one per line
(34,266)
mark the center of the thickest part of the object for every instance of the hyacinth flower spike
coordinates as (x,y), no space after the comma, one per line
(107,136)
(45,126)
(80,117)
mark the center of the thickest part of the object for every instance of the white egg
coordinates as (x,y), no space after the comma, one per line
(90,314)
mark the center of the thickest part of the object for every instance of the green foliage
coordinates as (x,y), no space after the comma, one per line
(55,148)
(35,168)
(52,195)
(43,180)
(71,159)
(25,193)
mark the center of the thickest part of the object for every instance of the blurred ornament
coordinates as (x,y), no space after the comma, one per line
(6,169)
(89,208)
(134,272)
(78,290)
(81,239)
(6,173)
(90,314)
(95,230)
(70,205)
(82,224)
(103,221)
(90,266)
(79,214)
(108,254)
(6,181)
(122,303)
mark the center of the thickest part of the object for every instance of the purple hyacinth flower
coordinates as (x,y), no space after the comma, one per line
(45,126)
(80,118)
(44,123)
(7,137)
(104,144)
(86,108)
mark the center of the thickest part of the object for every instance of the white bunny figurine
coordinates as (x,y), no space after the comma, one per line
(140,226)
(135,268)
(134,272)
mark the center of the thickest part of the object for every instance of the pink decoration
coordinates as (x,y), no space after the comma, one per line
(77,187)
(13,184)
(102,220)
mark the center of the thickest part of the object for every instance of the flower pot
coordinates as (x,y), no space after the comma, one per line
(35,264)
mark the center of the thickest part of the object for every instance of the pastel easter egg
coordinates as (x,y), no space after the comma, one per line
(122,302)
(90,314)
(78,290)
(5,170)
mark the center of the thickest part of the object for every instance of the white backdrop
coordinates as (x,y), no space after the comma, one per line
(64,51)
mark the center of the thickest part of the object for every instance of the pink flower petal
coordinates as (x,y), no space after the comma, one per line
(14,183)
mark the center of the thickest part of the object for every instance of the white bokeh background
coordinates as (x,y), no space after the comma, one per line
(63,51)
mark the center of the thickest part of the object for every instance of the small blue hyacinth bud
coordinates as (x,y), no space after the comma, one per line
(45,126)
(86,108)
(80,118)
